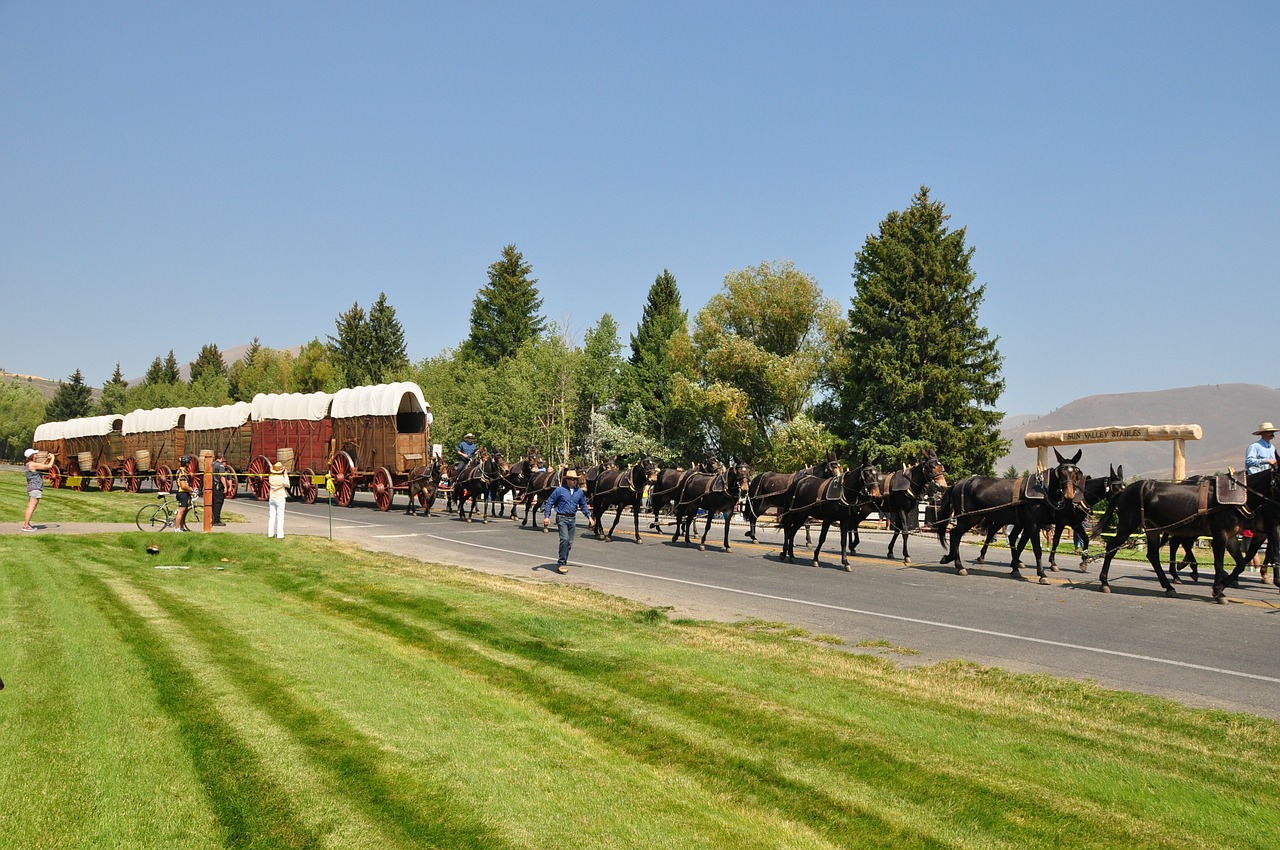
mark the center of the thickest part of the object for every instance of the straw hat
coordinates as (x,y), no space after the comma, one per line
(571,473)
(277,467)
(1264,428)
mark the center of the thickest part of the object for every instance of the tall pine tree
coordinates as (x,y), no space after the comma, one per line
(73,399)
(348,348)
(208,360)
(386,354)
(646,386)
(916,369)
(504,314)
(114,399)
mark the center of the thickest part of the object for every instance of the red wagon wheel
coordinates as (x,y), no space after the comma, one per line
(259,469)
(105,479)
(229,482)
(164,479)
(343,470)
(75,473)
(195,478)
(307,487)
(383,488)
(130,471)
(54,476)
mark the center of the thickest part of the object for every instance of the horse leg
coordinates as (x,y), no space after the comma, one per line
(822,538)
(1035,548)
(1224,542)
(635,516)
(1053,550)
(617,514)
(953,547)
(992,531)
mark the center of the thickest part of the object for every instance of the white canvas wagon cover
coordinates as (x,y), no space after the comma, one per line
(49,431)
(214,418)
(92,426)
(311,407)
(152,421)
(379,400)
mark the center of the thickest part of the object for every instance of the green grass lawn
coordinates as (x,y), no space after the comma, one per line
(300,693)
(88,505)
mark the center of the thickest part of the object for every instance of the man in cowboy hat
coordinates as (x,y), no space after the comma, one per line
(278,487)
(566,500)
(466,451)
(1261,454)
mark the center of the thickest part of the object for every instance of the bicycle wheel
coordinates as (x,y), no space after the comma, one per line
(152,518)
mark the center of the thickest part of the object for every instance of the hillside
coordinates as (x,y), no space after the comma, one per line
(1227,413)
(45,386)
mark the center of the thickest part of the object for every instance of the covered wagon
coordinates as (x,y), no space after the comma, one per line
(153,442)
(95,449)
(295,429)
(213,431)
(381,434)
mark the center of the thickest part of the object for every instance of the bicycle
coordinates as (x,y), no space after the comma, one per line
(164,515)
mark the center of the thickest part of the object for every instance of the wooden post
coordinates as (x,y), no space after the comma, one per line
(1179,460)
(1042,458)
(206,494)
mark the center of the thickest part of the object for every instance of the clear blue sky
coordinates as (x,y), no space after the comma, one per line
(262,166)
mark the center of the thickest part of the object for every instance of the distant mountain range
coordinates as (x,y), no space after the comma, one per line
(1227,414)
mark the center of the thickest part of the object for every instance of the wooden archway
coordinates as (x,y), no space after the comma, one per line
(1041,441)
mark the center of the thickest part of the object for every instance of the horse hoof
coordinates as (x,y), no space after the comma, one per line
(981,561)
(846,568)
(545,530)
(638,540)
(701,548)
(961,571)
(1221,600)
(1084,566)
(1176,580)
(1053,567)
(1170,592)
(906,562)
(1106,588)
(1044,580)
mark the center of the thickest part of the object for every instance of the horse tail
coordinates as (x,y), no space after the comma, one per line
(944,514)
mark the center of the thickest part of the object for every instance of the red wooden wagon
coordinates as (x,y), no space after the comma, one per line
(95,449)
(295,429)
(381,434)
(225,430)
(153,442)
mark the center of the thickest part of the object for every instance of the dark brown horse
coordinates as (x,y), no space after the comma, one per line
(475,481)
(663,491)
(424,484)
(844,498)
(621,488)
(901,492)
(541,485)
(715,493)
(769,490)
(998,502)
(1181,510)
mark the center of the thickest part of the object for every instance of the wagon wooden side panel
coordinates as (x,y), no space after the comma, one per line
(153,442)
(211,431)
(294,429)
(95,449)
(49,439)
(381,434)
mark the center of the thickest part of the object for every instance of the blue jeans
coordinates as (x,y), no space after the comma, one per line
(568,526)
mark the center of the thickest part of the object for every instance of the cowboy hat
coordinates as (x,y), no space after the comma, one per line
(468,436)
(1265,427)
(277,467)
(571,473)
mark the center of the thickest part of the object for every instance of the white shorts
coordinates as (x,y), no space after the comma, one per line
(35,494)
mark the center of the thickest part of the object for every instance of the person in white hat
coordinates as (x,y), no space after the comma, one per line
(35,484)
(1261,454)
(278,487)
(566,500)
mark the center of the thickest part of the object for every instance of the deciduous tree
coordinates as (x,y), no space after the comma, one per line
(21,410)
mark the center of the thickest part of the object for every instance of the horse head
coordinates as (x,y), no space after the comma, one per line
(868,479)
(648,468)
(1068,478)
(739,476)
(934,473)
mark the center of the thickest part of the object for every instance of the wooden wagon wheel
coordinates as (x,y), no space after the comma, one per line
(54,476)
(195,479)
(256,477)
(307,486)
(130,471)
(383,487)
(164,479)
(82,476)
(229,482)
(343,470)
(105,479)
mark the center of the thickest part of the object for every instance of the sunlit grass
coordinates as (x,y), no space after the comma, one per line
(306,694)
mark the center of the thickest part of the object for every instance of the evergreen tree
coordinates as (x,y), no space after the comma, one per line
(348,349)
(916,368)
(172,374)
(646,389)
(385,355)
(155,372)
(504,314)
(598,382)
(114,398)
(208,360)
(73,400)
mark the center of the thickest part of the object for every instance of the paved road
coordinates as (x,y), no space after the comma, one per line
(1189,649)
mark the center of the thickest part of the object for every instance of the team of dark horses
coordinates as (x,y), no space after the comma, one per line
(1057,498)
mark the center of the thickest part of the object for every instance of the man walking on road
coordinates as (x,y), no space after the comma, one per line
(566,500)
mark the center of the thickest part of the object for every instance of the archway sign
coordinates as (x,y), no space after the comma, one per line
(1041,441)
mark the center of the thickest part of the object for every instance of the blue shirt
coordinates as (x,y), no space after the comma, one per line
(1255,459)
(566,502)
(467,449)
